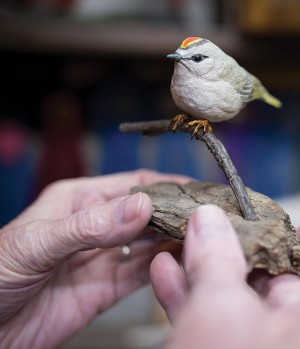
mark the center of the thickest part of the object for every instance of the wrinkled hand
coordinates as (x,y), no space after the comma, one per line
(211,304)
(59,260)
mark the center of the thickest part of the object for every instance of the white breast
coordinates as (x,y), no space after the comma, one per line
(212,100)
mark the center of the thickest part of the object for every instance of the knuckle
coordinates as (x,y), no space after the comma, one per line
(88,225)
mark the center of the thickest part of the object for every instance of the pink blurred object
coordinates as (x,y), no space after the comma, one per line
(13,142)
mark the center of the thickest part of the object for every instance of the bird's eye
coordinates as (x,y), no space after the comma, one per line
(198,57)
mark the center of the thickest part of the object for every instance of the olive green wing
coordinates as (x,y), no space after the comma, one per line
(252,89)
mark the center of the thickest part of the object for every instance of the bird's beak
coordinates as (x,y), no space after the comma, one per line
(174,56)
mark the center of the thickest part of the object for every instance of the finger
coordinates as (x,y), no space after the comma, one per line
(83,192)
(120,183)
(212,252)
(284,292)
(115,185)
(101,282)
(129,279)
(111,224)
(85,196)
(99,190)
(169,283)
(136,248)
(114,278)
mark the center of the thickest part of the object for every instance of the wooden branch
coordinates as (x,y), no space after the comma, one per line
(148,128)
(215,146)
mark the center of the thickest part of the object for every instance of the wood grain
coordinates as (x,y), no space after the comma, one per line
(269,243)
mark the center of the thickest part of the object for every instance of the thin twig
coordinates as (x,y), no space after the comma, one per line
(215,146)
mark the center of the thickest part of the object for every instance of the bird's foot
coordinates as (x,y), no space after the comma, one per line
(200,123)
(177,121)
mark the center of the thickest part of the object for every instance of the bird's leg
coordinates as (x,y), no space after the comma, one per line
(178,120)
(200,123)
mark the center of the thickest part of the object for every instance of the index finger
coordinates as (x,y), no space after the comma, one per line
(119,184)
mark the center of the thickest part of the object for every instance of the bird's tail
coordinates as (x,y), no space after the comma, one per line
(260,92)
(268,98)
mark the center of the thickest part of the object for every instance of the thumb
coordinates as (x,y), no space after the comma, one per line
(44,244)
(212,252)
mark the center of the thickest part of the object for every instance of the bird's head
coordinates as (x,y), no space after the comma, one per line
(197,56)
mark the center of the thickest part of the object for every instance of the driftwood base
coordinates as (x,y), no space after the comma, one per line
(269,243)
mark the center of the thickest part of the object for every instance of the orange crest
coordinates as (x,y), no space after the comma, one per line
(190,41)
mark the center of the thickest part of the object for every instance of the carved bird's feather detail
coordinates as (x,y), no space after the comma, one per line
(209,84)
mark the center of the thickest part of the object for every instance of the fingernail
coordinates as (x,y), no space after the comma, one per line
(209,220)
(129,208)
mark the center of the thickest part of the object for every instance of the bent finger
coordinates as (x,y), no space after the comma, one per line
(169,283)
(120,183)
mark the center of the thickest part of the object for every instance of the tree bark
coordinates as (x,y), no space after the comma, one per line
(269,243)
(266,234)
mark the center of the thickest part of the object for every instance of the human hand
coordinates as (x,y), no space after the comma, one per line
(61,262)
(210,302)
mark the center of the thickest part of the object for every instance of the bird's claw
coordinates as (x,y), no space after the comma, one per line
(177,121)
(199,123)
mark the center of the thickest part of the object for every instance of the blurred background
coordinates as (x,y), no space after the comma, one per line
(72,70)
